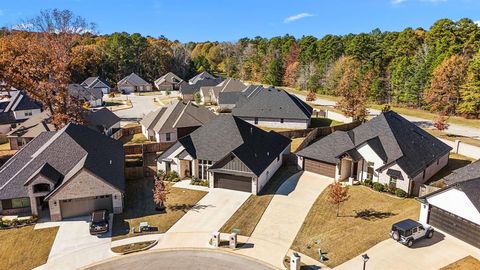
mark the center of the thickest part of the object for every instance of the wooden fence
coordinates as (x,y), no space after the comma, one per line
(317,133)
(125,131)
(139,148)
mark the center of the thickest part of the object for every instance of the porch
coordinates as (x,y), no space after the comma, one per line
(350,169)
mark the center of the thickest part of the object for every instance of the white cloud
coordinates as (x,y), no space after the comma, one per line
(477,23)
(297,17)
(22,26)
(398,2)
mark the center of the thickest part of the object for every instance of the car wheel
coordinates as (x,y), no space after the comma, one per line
(430,234)
(395,235)
(410,243)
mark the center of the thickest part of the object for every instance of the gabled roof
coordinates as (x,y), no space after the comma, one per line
(13,101)
(67,150)
(95,82)
(102,119)
(225,135)
(471,171)
(189,89)
(201,76)
(274,103)
(177,115)
(78,91)
(391,136)
(133,79)
(170,78)
(235,97)
(229,85)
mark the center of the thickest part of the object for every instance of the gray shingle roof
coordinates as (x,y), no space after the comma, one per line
(33,126)
(133,79)
(391,136)
(17,101)
(471,171)
(274,103)
(228,134)
(64,150)
(201,76)
(95,82)
(78,91)
(169,78)
(189,89)
(229,98)
(102,119)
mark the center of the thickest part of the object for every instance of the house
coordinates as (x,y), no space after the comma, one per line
(455,209)
(188,91)
(64,174)
(97,83)
(228,152)
(92,96)
(168,82)
(200,77)
(167,124)
(387,149)
(103,121)
(228,100)
(209,94)
(133,83)
(274,108)
(16,107)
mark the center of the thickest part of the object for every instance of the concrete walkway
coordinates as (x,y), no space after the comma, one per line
(284,217)
(426,254)
(186,184)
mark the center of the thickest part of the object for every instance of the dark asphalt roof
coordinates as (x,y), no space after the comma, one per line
(170,78)
(33,126)
(391,136)
(274,103)
(18,101)
(471,171)
(67,150)
(227,134)
(201,76)
(102,119)
(78,91)
(133,79)
(189,89)
(95,82)
(235,97)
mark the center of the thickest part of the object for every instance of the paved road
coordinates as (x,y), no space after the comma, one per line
(452,129)
(141,105)
(181,260)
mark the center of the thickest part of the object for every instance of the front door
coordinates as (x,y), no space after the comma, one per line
(355,170)
(168,167)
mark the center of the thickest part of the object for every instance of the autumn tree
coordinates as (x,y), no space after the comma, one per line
(441,122)
(337,194)
(160,191)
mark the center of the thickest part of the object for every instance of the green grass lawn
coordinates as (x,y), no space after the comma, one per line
(451,137)
(25,248)
(365,220)
(467,263)
(139,207)
(249,214)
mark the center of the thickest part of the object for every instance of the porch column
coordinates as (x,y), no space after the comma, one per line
(33,205)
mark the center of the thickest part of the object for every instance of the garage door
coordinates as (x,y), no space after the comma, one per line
(85,206)
(234,182)
(319,167)
(455,226)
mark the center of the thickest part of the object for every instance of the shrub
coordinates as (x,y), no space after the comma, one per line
(198,182)
(390,188)
(167,92)
(400,193)
(173,176)
(367,182)
(378,186)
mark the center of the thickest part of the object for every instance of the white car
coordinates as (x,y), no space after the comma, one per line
(408,231)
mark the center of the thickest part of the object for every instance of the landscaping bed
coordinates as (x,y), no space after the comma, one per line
(365,220)
(139,207)
(134,247)
(25,248)
(17,223)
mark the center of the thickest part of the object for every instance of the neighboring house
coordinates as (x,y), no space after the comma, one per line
(201,76)
(16,107)
(103,121)
(188,91)
(274,108)
(228,100)
(167,124)
(97,83)
(168,82)
(387,149)
(228,152)
(455,209)
(133,83)
(209,94)
(64,174)
(92,96)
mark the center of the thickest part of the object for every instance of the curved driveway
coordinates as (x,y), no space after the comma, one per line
(180,260)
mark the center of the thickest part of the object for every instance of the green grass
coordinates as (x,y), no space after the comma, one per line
(139,207)
(324,122)
(452,137)
(25,248)
(365,220)
(249,214)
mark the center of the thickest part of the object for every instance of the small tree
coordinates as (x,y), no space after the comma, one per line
(160,192)
(337,194)
(386,108)
(441,122)
(311,96)
(198,98)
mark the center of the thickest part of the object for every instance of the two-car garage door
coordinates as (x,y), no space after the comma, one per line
(85,206)
(455,225)
(228,181)
(319,167)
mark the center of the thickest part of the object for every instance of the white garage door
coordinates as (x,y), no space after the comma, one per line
(85,206)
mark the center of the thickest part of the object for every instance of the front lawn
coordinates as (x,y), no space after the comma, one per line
(365,220)
(139,207)
(25,248)
(249,214)
(467,263)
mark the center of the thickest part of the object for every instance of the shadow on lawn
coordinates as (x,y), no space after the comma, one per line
(186,207)
(370,214)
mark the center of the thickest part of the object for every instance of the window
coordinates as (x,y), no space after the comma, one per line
(28,113)
(393,181)
(168,137)
(20,202)
(256,120)
(281,120)
(414,230)
(203,166)
(19,141)
(370,170)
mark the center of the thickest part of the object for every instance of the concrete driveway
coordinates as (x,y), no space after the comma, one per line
(141,106)
(74,247)
(425,254)
(195,228)
(284,217)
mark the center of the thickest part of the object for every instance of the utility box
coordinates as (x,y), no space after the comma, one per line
(295,261)
(233,240)
(216,239)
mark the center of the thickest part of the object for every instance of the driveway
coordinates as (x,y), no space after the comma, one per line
(195,228)
(425,254)
(141,106)
(74,247)
(284,217)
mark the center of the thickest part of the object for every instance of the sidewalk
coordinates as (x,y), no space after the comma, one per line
(186,184)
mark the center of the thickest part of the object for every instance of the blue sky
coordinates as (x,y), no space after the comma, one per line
(222,20)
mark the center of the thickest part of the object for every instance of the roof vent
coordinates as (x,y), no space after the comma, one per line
(268,154)
(110,162)
(251,130)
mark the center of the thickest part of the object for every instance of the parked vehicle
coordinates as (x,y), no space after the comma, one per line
(408,231)
(99,223)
